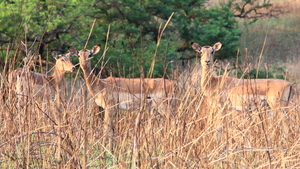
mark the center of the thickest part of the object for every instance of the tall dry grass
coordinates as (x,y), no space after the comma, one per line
(69,133)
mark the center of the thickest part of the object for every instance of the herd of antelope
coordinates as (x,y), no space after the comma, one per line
(157,93)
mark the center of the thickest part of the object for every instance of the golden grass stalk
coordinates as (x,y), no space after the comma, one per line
(160,33)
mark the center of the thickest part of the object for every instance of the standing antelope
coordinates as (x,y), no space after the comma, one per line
(124,93)
(27,83)
(275,92)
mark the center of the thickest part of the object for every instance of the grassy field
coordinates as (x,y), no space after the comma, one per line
(69,133)
(281,38)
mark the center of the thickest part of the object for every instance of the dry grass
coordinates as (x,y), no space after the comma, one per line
(201,135)
(282,35)
(69,133)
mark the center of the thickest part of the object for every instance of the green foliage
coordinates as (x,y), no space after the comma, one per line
(221,27)
(134,29)
(262,74)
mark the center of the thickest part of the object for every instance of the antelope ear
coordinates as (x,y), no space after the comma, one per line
(96,49)
(196,46)
(217,46)
(55,55)
(73,51)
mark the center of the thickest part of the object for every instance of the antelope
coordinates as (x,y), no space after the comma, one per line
(124,93)
(275,92)
(28,83)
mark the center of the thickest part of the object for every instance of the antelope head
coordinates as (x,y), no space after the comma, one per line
(207,53)
(85,55)
(63,61)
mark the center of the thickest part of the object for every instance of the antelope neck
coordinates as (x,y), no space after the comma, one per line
(57,77)
(90,79)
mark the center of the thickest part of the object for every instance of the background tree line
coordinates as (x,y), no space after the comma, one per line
(133,29)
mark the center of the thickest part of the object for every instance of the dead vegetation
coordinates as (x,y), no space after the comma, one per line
(70,134)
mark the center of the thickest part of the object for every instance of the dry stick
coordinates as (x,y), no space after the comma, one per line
(84,108)
(267,70)
(5,67)
(58,114)
(108,123)
(138,118)
(28,117)
(236,61)
(105,47)
(266,138)
(261,118)
(160,33)
(261,53)
(87,41)
(246,61)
